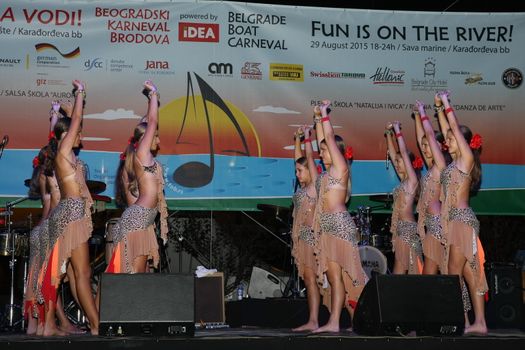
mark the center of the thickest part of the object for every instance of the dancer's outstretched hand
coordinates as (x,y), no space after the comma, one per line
(78,85)
(421,107)
(324,106)
(444,95)
(148,85)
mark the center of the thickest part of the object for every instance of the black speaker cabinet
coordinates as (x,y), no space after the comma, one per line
(147,304)
(505,306)
(398,304)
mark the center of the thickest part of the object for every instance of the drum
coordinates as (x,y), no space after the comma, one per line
(372,260)
(110,225)
(21,243)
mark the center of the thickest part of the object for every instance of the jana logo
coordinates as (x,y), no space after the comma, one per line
(157,65)
(96,63)
(46,46)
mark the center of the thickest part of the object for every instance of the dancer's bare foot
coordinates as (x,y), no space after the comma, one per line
(349,329)
(71,329)
(467,322)
(94,331)
(32,325)
(309,326)
(327,328)
(40,329)
(53,331)
(477,328)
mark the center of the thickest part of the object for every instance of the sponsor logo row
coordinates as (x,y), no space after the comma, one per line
(429,77)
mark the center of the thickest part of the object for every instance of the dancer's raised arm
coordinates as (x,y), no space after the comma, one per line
(391,145)
(68,140)
(420,133)
(144,144)
(411,173)
(437,154)
(54,114)
(298,152)
(312,168)
(319,134)
(339,166)
(465,161)
(440,110)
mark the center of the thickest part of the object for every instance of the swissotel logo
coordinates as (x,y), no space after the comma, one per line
(202,32)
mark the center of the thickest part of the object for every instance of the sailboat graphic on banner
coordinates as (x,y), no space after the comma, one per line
(225,130)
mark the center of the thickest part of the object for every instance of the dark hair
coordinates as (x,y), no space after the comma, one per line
(61,126)
(34,183)
(302,161)
(126,165)
(475,174)
(120,194)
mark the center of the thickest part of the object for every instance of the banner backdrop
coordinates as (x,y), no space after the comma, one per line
(236,80)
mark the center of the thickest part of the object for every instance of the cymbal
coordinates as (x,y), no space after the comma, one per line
(383,198)
(273,208)
(95,186)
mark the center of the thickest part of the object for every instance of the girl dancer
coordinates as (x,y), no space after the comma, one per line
(134,234)
(460,225)
(429,205)
(406,244)
(36,189)
(70,222)
(337,251)
(304,201)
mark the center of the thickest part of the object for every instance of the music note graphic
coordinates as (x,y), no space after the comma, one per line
(197,174)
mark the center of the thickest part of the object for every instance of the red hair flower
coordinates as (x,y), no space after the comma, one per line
(349,153)
(444,146)
(122,156)
(130,140)
(476,141)
(36,162)
(51,136)
(417,163)
(319,169)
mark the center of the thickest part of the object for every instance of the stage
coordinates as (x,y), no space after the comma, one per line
(263,338)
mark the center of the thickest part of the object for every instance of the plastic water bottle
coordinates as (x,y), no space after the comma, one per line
(240,292)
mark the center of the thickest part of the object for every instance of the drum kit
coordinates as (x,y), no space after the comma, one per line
(14,246)
(373,246)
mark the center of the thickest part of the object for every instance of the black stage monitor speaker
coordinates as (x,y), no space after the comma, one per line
(147,304)
(399,304)
(505,305)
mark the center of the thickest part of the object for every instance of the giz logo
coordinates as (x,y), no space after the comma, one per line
(94,63)
(203,32)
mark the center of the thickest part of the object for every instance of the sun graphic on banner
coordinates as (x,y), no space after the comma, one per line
(205,124)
